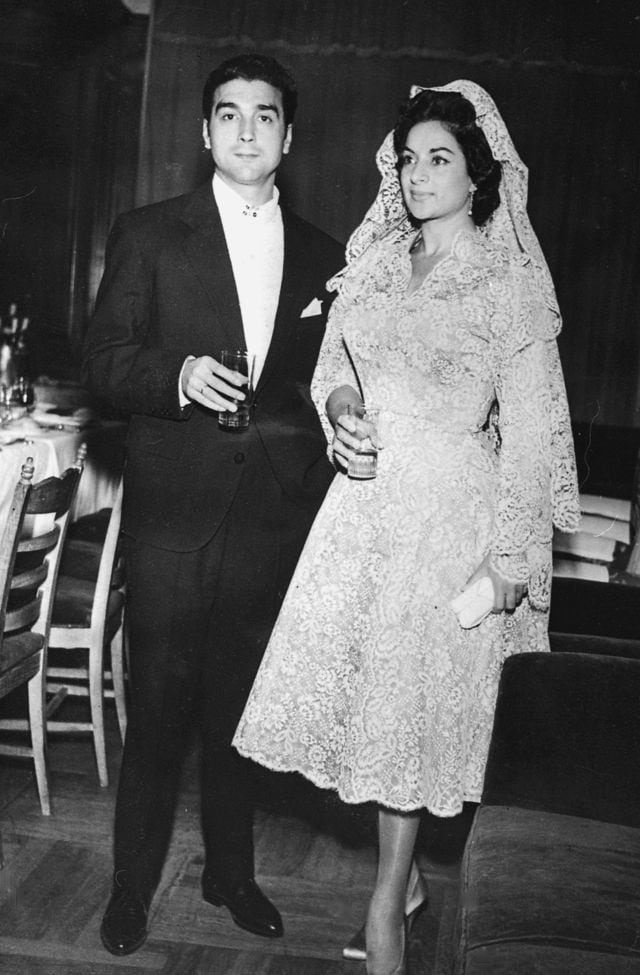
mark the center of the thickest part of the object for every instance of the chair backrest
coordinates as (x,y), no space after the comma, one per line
(32,562)
(566,737)
(11,535)
(107,559)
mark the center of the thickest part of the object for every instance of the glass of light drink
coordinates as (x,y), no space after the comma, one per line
(238,360)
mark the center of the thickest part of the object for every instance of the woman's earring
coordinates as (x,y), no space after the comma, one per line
(471,192)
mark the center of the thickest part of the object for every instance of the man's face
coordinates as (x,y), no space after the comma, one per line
(247,136)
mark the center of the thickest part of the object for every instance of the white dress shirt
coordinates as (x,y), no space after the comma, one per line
(255,241)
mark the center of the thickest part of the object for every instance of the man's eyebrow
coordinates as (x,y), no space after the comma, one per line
(220,105)
(269,108)
(259,108)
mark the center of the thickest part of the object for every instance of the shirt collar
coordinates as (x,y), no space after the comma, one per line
(233,208)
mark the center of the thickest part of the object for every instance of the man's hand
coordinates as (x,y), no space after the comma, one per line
(208,382)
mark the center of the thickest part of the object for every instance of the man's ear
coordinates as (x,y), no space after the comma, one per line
(205,134)
(287,140)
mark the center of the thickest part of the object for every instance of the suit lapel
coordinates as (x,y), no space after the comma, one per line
(293,293)
(206,250)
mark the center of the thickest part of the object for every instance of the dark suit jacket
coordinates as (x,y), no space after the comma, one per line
(168,291)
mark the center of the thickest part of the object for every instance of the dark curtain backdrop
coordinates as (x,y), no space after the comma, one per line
(564,75)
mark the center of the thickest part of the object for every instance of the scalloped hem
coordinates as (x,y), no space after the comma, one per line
(356,800)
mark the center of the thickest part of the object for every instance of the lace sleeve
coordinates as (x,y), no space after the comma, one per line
(334,367)
(537,481)
(565,491)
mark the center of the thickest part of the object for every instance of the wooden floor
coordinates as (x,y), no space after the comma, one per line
(315,858)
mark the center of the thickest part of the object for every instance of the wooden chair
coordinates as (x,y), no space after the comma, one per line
(28,570)
(88,614)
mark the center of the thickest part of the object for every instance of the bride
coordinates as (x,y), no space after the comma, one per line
(446,322)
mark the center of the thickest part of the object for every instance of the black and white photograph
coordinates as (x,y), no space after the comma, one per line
(319,487)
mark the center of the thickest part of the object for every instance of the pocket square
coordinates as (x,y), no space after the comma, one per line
(313,308)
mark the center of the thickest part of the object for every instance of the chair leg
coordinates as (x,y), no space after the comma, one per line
(117,676)
(126,643)
(38,739)
(96,682)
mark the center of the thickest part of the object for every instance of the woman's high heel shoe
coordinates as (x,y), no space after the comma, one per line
(402,968)
(416,901)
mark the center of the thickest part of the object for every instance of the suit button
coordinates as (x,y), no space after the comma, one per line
(239,458)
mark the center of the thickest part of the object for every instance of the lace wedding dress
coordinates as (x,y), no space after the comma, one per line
(369,685)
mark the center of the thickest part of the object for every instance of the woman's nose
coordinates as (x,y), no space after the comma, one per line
(420,173)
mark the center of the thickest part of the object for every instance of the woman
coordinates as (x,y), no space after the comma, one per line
(445,321)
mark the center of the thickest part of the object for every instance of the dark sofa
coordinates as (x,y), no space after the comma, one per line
(551,870)
(595,617)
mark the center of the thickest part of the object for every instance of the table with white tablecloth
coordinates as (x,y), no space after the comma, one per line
(53,451)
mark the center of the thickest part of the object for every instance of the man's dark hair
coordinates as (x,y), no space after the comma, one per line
(252,67)
(458,116)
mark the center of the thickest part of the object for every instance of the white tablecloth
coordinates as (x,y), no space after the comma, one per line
(55,450)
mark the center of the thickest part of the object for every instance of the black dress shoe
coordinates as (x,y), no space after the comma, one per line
(124,926)
(248,906)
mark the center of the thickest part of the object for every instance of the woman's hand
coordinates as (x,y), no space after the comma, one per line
(349,432)
(348,429)
(345,439)
(507,594)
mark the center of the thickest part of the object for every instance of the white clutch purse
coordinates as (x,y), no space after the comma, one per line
(474,603)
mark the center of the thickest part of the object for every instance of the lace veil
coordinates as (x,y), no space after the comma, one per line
(508,225)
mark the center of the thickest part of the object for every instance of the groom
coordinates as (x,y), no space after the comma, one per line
(213,520)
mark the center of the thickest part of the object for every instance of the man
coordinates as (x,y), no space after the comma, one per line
(213,520)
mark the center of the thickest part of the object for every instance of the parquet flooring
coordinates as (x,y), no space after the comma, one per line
(315,858)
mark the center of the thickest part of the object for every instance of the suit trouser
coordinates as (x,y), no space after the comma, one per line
(199,624)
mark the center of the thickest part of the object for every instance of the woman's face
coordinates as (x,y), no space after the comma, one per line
(433,174)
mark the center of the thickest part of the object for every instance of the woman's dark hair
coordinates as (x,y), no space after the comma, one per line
(458,116)
(252,67)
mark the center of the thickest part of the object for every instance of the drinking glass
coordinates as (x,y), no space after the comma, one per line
(243,362)
(363,466)
(15,401)
(26,393)
(5,409)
